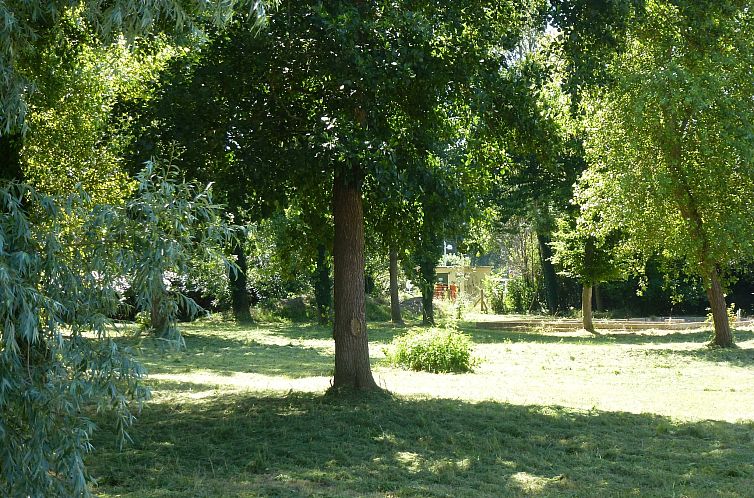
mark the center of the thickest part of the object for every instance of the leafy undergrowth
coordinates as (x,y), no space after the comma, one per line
(432,350)
(215,427)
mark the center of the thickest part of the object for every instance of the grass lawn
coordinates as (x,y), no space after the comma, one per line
(243,413)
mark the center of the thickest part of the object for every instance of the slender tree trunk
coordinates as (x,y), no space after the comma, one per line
(548,272)
(586,307)
(427,268)
(597,297)
(352,368)
(322,286)
(239,294)
(395,302)
(723,335)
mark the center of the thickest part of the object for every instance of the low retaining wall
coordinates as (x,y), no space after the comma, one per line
(602,324)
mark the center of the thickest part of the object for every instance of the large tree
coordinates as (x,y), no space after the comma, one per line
(672,141)
(334,85)
(536,154)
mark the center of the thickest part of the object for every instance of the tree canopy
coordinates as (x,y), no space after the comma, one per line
(672,141)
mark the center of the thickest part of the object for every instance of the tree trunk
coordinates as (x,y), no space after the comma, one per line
(597,297)
(395,302)
(428,309)
(548,272)
(688,207)
(239,294)
(427,267)
(158,321)
(586,307)
(322,286)
(723,335)
(352,368)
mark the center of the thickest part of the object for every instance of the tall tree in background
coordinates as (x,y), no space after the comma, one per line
(391,215)
(672,141)
(587,255)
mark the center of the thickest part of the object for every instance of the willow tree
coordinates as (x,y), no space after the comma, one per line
(59,282)
(672,141)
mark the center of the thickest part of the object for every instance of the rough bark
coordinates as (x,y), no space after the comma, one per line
(586,307)
(322,286)
(723,334)
(548,272)
(395,303)
(352,368)
(239,294)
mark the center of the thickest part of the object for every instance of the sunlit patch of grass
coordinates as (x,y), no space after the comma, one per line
(242,412)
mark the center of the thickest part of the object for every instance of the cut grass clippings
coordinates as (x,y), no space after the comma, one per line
(215,429)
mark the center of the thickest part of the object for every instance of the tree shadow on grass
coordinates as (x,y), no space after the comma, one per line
(740,357)
(227,356)
(487,336)
(313,445)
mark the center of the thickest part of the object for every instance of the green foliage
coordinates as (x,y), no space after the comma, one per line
(77,132)
(59,284)
(173,226)
(730,311)
(279,267)
(670,138)
(57,289)
(495,291)
(520,295)
(585,253)
(377,310)
(432,350)
(29,28)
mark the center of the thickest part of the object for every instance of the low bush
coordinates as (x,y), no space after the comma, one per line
(520,296)
(432,350)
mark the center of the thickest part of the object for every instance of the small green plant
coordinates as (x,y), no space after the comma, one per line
(143,321)
(731,316)
(432,350)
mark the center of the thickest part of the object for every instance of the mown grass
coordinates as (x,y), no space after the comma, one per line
(243,413)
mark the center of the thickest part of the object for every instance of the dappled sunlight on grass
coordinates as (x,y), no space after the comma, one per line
(380,445)
(246,381)
(229,350)
(242,412)
(681,378)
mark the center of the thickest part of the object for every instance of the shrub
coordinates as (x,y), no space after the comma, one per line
(432,350)
(520,295)
(496,295)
